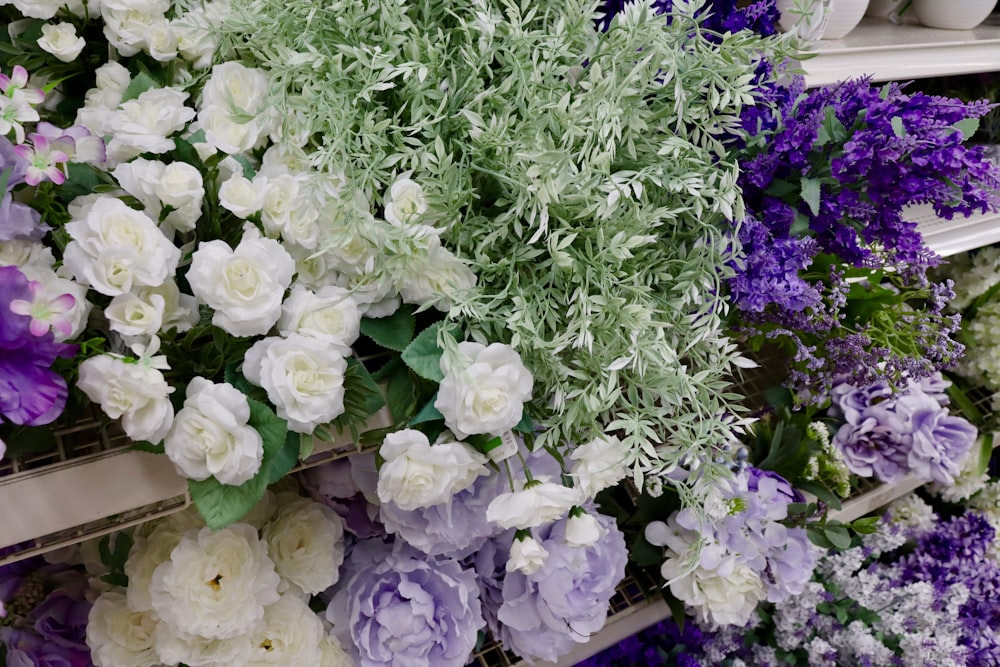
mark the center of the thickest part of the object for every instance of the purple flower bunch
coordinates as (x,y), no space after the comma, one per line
(887,434)
(832,266)
(720,16)
(660,645)
(46,614)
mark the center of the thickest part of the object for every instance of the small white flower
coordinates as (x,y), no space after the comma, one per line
(244,285)
(329,314)
(539,502)
(725,595)
(583,530)
(304,379)
(485,391)
(210,436)
(216,583)
(526,555)
(118,636)
(290,635)
(61,40)
(404,202)
(417,474)
(136,392)
(599,465)
(306,542)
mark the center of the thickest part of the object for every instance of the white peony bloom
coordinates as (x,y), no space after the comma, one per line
(330,315)
(144,125)
(136,392)
(241,196)
(118,636)
(417,474)
(306,542)
(485,391)
(115,248)
(291,635)
(210,436)
(146,554)
(539,502)
(216,583)
(725,595)
(404,202)
(304,379)
(244,285)
(526,555)
(331,655)
(61,40)
(583,530)
(599,464)
(196,651)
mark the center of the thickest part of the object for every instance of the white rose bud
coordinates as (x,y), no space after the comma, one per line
(210,436)
(526,555)
(405,202)
(241,196)
(487,394)
(539,502)
(61,40)
(600,464)
(417,474)
(583,529)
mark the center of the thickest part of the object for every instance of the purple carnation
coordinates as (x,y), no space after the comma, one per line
(409,609)
(939,442)
(874,445)
(545,614)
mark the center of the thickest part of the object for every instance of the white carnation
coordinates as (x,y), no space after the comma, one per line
(216,584)
(210,436)
(306,542)
(417,474)
(118,636)
(304,379)
(485,391)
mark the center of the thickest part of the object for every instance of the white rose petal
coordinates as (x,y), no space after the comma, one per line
(210,436)
(539,502)
(304,379)
(583,530)
(216,583)
(118,636)
(61,40)
(417,474)
(486,394)
(330,315)
(135,392)
(526,555)
(290,636)
(600,464)
(306,542)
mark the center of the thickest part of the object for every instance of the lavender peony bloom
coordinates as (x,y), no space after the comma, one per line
(26,649)
(939,442)
(874,445)
(545,614)
(341,486)
(409,610)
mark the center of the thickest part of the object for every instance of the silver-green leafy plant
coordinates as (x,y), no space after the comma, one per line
(583,175)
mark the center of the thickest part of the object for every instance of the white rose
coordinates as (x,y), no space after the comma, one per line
(583,530)
(288,210)
(61,40)
(115,248)
(118,636)
(726,595)
(241,196)
(290,635)
(210,436)
(161,42)
(180,311)
(126,29)
(537,503)
(131,316)
(137,393)
(245,286)
(146,554)
(216,583)
(196,651)
(526,555)
(38,9)
(599,464)
(405,202)
(112,76)
(144,125)
(330,315)
(139,178)
(435,280)
(196,41)
(180,184)
(304,379)
(417,474)
(484,391)
(226,134)
(331,655)
(147,6)
(306,542)
(234,92)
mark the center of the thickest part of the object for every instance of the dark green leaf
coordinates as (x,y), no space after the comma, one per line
(985,453)
(811,194)
(428,413)
(394,332)
(144,446)
(272,428)
(821,492)
(400,395)
(818,537)
(526,425)
(140,83)
(866,525)
(423,354)
(221,504)
(838,535)
(280,462)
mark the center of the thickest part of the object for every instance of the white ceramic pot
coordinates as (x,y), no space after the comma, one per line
(820,19)
(953,14)
(881,8)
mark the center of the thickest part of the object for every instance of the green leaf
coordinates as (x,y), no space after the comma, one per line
(428,413)
(271,427)
(306,444)
(81,179)
(221,504)
(821,492)
(897,127)
(800,225)
(394,332)
(5,178)
(867,525)
(985,453)
(965,405)
(526,425)
(144,446)
(423,355)
(400,395)
(140,83)
(811,194)
(818,537)
(280,462)
(838,535)
(968,127)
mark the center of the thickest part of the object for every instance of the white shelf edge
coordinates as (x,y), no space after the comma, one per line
(950,237)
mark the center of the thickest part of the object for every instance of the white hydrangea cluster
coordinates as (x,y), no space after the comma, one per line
(974,276)
(236,596)
(982,353)
(968,481)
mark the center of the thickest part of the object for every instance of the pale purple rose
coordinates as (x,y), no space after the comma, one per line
(409,610)
(875,445)
(545,614)
(939,442)
(26,649)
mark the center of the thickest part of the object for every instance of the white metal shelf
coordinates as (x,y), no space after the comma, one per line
(889,52)
(950,237)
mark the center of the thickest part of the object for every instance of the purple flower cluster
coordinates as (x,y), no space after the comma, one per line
(660,645)
(31,393)
(720,16)
(888,434)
